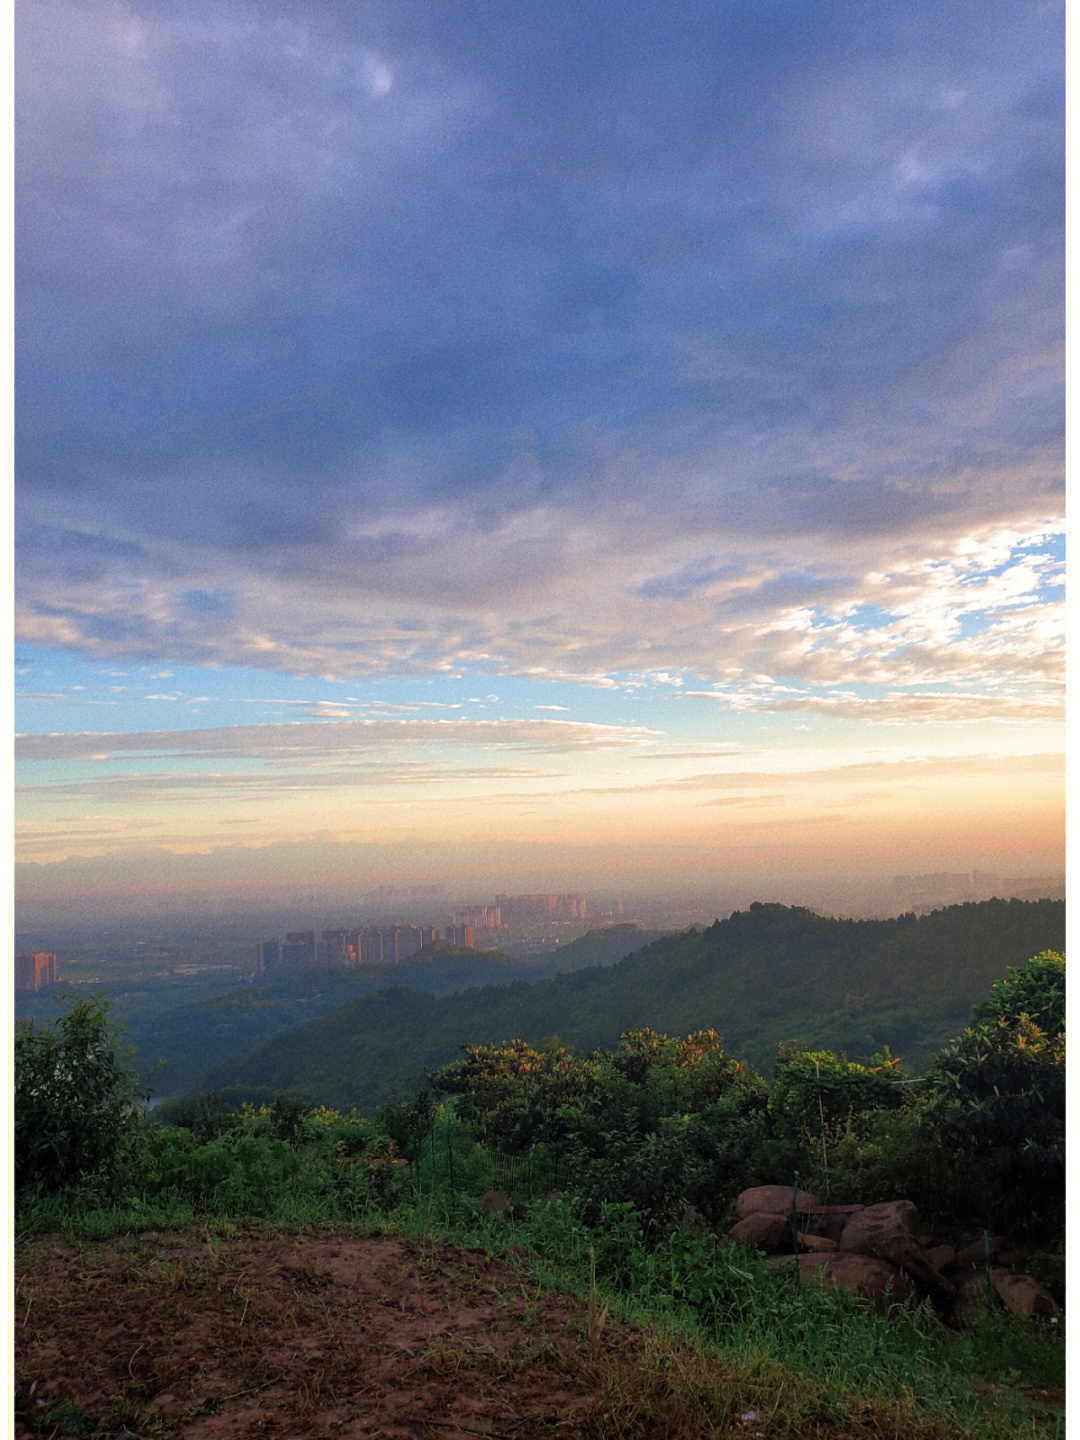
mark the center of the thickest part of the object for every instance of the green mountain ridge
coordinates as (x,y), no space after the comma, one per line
(763,977)
(177,1047)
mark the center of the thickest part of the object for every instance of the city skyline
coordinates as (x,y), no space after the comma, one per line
(536,449)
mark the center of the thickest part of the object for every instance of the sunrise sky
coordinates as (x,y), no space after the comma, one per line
(537,444)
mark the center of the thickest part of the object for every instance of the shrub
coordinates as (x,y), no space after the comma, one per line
(813,1089)
(996,1104)
(76,1117)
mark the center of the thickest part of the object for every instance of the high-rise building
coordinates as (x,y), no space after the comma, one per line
(541,908)
(410,939)
(34,970)
(380,944)
(480,917)
(303,952)
(267,957)
(337,943)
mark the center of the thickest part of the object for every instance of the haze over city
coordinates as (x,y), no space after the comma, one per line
(508,447)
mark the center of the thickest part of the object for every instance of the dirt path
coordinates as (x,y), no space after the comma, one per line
(259,1334)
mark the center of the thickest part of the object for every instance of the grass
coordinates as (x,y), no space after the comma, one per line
(803,1356)
(726,1341)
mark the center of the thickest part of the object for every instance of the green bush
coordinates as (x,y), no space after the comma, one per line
(996,1105)
(76,1115)
(815,1089)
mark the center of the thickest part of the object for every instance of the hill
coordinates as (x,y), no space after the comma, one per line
(597,947)
(177,1047)
(764,976)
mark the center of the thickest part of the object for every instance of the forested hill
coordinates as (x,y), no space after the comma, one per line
(596,947)
(176,1048)
(762,977)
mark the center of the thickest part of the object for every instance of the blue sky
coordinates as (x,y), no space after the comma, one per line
(600,382)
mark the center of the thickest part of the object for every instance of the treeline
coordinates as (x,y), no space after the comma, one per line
(765,977)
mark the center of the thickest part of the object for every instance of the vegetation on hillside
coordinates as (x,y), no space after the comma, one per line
(762,978)
(619,1164)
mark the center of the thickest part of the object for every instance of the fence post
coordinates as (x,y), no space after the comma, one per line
(795,1225)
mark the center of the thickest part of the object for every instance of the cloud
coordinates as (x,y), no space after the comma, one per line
(366,341)
(331,737)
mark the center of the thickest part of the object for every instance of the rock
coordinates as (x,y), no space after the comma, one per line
(818,1244)
(774,1199)
(886,1232)
(942,1257)
(891,1217)
(975,1253)
(761,1231)
(874,1281)
(495,1203)
(829,1226)
(970,1300)
(1016,1257)
(1023,1295)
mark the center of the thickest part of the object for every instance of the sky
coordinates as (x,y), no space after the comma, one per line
(516,446)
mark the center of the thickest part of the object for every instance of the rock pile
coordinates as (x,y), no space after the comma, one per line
(877,1253)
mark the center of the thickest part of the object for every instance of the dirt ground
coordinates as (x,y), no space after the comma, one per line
(265,1334)
(251,1332)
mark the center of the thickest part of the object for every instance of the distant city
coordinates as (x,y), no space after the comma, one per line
(389,944)
(397,922)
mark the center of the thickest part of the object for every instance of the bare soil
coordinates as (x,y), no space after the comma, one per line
(259,1333)
(253,1332)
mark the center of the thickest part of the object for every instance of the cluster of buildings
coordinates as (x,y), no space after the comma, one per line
(34,970)
(387,944)
(507,910)
(376,945)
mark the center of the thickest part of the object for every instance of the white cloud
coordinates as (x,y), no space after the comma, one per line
(263,742)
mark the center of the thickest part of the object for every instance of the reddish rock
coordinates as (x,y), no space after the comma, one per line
(830,1226)
(1016,1257)
(774,1199)
(818,1244)
(784,1262)
(975,1253)
(970,1300)
(874,1281)
(942,1257)
(886,1232)
(761,1231)
(1023,1295)
(891,1217)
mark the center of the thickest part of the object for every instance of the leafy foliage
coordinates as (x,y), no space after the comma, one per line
(997,1101)
(661,1124)
(75,1111)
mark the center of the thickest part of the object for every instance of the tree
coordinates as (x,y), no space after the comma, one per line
(997,1101)
(75,1113)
